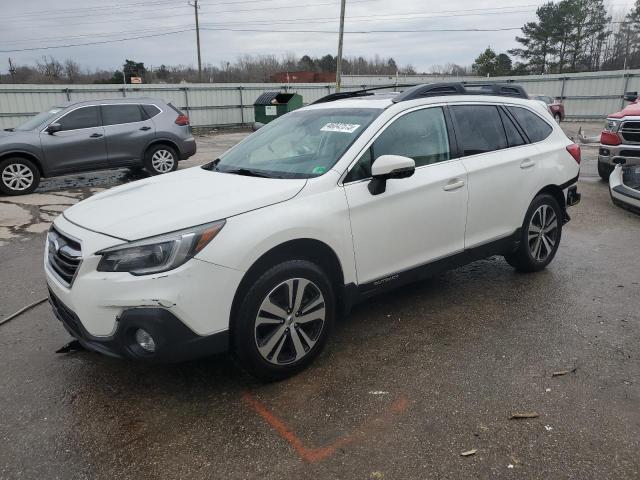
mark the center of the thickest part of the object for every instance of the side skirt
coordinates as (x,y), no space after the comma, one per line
(354,294)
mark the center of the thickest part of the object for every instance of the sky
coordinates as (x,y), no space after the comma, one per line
(228,30)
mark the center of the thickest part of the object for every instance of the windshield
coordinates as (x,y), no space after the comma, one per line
(300,144)
(39,119)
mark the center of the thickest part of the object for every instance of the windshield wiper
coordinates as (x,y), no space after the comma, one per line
(10,129)
(247,172)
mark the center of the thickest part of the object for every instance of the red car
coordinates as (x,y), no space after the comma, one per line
(554,105)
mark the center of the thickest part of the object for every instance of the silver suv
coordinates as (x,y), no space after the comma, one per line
(94,135)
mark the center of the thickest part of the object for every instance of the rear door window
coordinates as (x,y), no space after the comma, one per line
(534,127)
(117,114)
(479,128)
(514,137)
(83,117)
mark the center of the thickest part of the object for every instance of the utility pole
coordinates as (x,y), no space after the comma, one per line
(340,39)
(196,8)
(12,71)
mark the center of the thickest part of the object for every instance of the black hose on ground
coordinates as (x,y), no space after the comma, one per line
(22,310)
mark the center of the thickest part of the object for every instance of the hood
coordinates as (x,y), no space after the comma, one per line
(177,200)
(631,110)
(13,137)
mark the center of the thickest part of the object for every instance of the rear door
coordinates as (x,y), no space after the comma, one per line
(128,131)
(501,167)
(80,143)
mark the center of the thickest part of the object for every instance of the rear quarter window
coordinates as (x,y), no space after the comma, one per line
(150,110)
(534,127)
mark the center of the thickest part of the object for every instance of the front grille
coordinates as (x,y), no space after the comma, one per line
(64,255)
(630,132)
(630,153)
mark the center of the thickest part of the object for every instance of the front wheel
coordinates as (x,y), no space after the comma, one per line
(160,159)
(284,320)
(558,117)
(18,176)
(540,235)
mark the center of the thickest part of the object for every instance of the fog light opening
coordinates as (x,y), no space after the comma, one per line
(145,340)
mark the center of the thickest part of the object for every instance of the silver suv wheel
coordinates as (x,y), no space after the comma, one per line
(163,161)
(17,177)
(543,232)
(290,321)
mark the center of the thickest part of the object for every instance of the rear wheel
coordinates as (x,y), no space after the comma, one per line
(558,117)
(160,159)
(18,176)
(540,235)
(284,320)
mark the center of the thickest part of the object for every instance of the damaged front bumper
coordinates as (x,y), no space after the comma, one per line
(185,310)
(173,340)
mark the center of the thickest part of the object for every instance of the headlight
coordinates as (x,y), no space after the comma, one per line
(158,254)
(612,125)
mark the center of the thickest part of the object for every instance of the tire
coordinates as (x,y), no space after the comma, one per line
(18,176)
(160,159)
(558,117)
(604,171)
(536,250)
(275,344)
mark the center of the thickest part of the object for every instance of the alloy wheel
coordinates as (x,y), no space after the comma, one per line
(290,321)
(162,161)
(542,232)
(17,176)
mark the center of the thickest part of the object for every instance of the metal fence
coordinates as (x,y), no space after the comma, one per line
(586,95)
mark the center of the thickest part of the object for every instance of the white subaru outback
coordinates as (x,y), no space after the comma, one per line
(258,251)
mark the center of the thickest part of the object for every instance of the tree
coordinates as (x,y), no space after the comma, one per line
(133,69)
(50,68)
(485,64)
(503,65)
(538,39)
(71,70)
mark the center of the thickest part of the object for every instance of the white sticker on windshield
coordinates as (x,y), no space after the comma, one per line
(340,127)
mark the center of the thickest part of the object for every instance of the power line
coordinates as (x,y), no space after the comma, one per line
(357,18)
(333,32)
(95,43)
(351,18)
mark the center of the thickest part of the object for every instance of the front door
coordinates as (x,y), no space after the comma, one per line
(417,219)
(80,143)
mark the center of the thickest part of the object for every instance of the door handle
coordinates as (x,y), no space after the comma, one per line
(95,135)
(145,128)
(454,184)
(527,163)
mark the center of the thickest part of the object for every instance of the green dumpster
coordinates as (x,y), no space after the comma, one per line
(272,105)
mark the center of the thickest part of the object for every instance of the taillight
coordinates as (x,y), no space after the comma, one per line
(574,150)
(182,120)
(609,138)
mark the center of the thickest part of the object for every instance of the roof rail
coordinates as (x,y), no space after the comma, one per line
(356,93)
(461,88)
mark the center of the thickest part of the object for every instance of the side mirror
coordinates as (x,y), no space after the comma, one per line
(631,96)
(388,167)
(53,128)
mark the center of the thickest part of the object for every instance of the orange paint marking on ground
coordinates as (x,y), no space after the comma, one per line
(312,455)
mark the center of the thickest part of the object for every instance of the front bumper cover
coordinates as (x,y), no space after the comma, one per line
(175,342)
